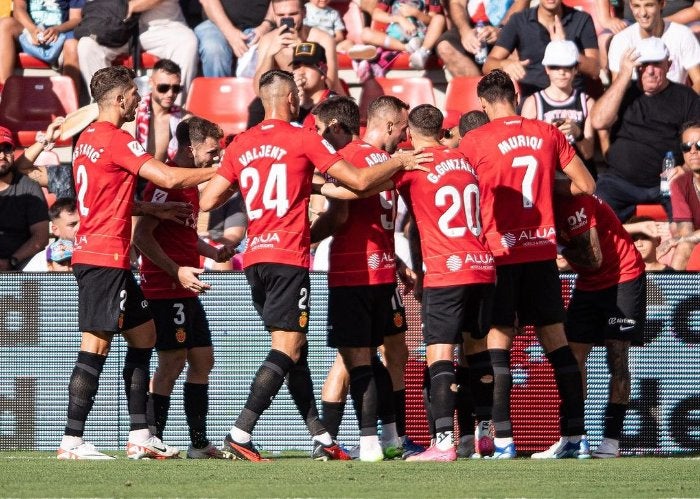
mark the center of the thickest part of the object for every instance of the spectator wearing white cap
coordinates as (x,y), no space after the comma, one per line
(644,119)
(680,40)
(561,104)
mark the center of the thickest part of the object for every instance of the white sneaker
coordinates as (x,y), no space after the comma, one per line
(362,52)
(84,451)
(208,452)
(414,44)
(608,448)
(561,449)
(152,448)
(418,59)
(373,454)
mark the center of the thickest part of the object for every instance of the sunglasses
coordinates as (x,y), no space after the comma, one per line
(163,88)
(6,148)
(688,146)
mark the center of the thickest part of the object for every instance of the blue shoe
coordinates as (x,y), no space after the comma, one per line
(563,449)
(507,452)
(410,448)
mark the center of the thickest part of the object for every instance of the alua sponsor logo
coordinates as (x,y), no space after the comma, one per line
(377,260)
(267,240)
(529,237)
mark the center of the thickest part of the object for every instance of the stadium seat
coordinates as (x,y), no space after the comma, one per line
(654,211)
(413,90)
(694,260)
(30,103)
(147,60)
(27,61)
(222,100)
(460,98)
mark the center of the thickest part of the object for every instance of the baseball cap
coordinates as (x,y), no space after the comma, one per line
(6,136)
(59,251)
(563,53)
(311,54)
(651,49)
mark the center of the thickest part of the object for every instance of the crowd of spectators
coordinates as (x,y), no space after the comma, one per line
(620,83)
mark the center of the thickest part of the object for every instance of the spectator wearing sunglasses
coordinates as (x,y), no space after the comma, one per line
(644,119)
(157,116)
(685,199)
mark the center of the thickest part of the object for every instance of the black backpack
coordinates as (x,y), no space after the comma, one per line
(103,20)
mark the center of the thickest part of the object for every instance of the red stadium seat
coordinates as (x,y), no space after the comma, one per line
(27,61)
(694,260)
(654,211)
(223,100)
(30,103)
(147,60)
(460,98)
(414,91)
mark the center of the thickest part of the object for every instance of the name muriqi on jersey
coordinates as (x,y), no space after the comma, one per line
(518,141)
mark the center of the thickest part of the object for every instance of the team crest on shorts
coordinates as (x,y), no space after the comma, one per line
(120,320)
(180,335)
(398,319)
(303,319)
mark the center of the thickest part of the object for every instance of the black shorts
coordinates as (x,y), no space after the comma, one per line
(280,295)
(398,323)
(109,299)
(359,316)
(614,313)
(180,323)
(528,294)
(449,311)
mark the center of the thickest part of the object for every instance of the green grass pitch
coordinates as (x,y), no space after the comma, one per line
(39,474)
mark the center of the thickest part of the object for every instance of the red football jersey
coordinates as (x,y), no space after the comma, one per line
(515,160)
(106,161)
(273,164)
(362,251)
(622,262)
(445,204)
(178,241)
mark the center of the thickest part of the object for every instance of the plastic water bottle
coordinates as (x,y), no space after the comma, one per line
(249,34)
(482,53)
(668,164)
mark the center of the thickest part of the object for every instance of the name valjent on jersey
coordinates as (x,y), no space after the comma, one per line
(264,151)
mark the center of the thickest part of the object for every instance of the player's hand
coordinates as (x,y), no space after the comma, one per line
(515,69)
(53,131)
(188,277)
(408,27)
(406,276)
(175,211)
(470,41)
(556,30)
(418,286)
(628,62)
(225,253)
(412,160)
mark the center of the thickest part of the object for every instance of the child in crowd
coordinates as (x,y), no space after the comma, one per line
(561,104)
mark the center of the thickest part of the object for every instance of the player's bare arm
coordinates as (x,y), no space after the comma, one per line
(175,211)
(172,177)
(581,180)
(216,193)
(584,250)
(220,255)
(367,179)
(327,222)
(147,244)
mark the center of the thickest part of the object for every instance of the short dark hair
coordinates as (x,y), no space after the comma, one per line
(344,110)
(61,205)
(107,79)
(471,120)
(426,119)
(275,76)
(167,66)
(196,130)
(688,125)
(496,87)
(385,103)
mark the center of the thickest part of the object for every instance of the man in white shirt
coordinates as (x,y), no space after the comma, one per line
(682,44)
